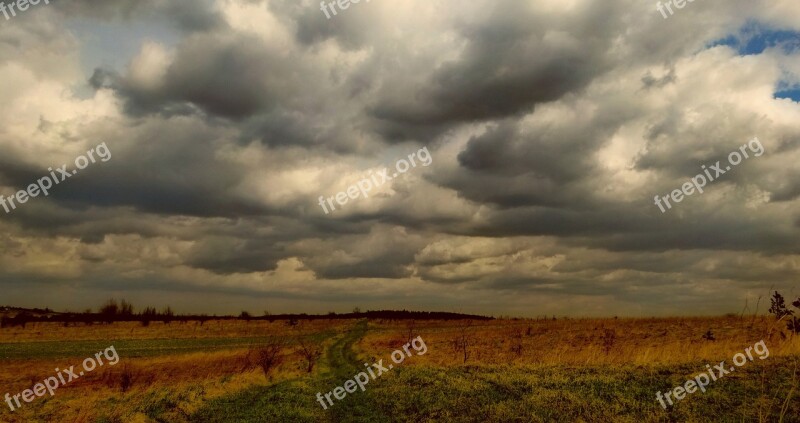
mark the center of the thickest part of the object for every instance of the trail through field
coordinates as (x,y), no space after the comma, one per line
(343,365)
(761,391)
(296,400)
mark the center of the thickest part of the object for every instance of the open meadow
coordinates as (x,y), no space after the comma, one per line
(521,370)
(573,211)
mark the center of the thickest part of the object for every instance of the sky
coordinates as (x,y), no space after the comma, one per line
(551,126)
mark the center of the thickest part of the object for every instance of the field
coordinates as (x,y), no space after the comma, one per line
(592,370)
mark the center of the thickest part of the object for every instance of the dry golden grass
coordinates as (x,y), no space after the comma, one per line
(36,332)
(184,381)
(200,373)
(179,383)
(584,341)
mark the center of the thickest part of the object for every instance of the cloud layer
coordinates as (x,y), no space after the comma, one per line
(552,125)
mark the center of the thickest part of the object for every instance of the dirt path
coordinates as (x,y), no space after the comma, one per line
(296,401)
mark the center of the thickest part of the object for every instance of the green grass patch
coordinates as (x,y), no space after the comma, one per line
(518,394)
(132,347)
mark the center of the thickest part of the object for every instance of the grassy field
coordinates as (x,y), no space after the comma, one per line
(592,370)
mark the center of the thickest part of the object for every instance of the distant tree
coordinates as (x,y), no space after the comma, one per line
(147,315)
(778,306)
(202,319)
(245,315)
(110,308)
(356,310)
(167,314)
(149,312)
(23,318)
(794,324)
(125,308)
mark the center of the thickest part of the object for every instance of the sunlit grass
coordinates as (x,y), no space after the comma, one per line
(517,370)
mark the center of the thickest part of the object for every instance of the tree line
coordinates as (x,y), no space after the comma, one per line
(123,311)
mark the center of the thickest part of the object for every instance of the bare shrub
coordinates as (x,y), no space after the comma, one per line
(269,357)
(781,312)
(410,331)
(778,306)
(310,351)
(463,341)
(609,337)
(126,379)
(516,342)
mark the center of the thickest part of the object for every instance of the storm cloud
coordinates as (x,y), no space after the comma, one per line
(552,125)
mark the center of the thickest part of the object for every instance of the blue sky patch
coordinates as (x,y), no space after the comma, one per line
(793,94)
(754,38)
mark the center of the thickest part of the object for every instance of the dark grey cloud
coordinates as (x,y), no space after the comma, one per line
(224,75)
(233,255)
(510,62)
(352,28)
(552,126)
